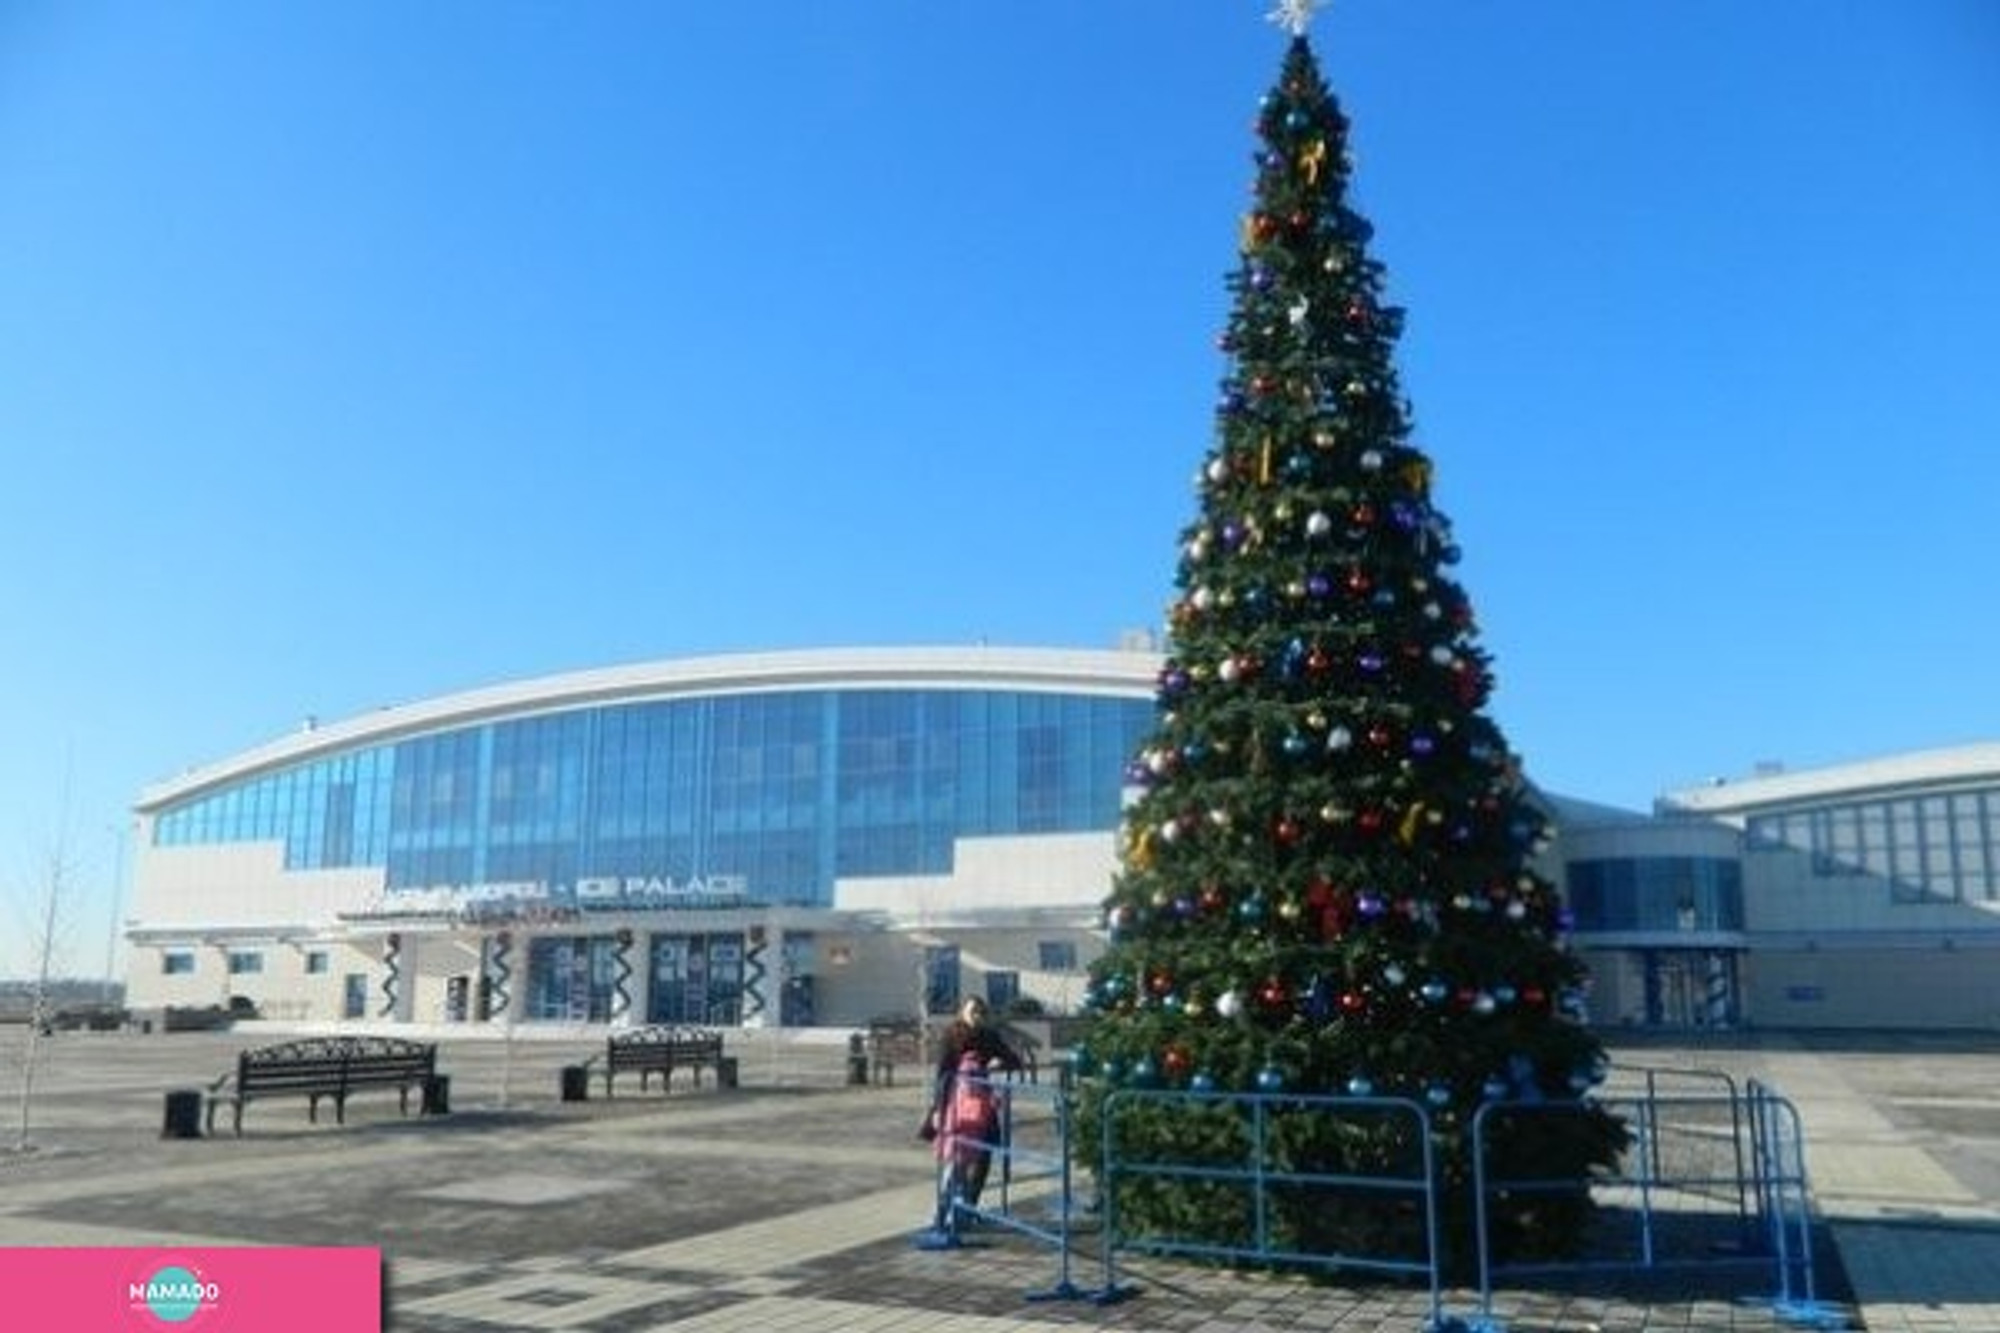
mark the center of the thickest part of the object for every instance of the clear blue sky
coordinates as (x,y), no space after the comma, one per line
(359,352)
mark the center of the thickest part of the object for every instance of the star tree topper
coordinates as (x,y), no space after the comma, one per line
(1294,16)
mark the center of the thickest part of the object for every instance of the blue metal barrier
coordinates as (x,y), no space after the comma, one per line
(1260,1173)
(1709,1182)
(1785,1199)
(1668,1138)
(1030,1154)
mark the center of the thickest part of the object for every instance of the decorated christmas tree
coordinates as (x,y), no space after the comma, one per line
(1326,883)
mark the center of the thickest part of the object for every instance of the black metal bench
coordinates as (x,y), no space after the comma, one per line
(893,1042)
(661,1049)
(317,1067)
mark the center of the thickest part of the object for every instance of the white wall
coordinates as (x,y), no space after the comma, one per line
(244,884)
(1065,872)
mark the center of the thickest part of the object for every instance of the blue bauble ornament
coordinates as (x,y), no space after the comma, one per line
(1319,1000)
(1270,1080)
(1202,1081)
(1360,1086)
(1493,1089)
(1438,1094)
(1144,1075)
(1434,991)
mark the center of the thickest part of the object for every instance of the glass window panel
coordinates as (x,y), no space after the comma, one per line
(1874,819)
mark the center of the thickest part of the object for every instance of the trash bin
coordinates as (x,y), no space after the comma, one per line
(575,1083)
(725,1072)
(437,1095)
(857,1060)
(183,1119)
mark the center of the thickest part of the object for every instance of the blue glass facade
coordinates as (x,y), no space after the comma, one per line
(786,790)
(1927,847)
(1656,893)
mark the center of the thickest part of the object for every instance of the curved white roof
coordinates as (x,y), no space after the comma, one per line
(1918,770)
(1121,674)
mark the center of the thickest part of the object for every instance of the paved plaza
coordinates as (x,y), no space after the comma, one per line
(791,1201)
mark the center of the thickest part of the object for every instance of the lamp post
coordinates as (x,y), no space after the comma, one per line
(117,896)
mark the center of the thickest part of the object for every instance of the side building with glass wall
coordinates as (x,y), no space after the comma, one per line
(1871,890)
(1862,895)
(785,838)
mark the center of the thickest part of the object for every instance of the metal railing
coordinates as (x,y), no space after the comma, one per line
(1244,1169)
(1709,1182)
(1032,1165)
(1712,1180)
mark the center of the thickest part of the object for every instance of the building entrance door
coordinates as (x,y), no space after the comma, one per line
(1690,988)
(696,979)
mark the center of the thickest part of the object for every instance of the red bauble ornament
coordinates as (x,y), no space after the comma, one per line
(1175,1061)
(1272,994)
(1352,1002)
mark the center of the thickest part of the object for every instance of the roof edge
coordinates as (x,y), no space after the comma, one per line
(1113,672)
